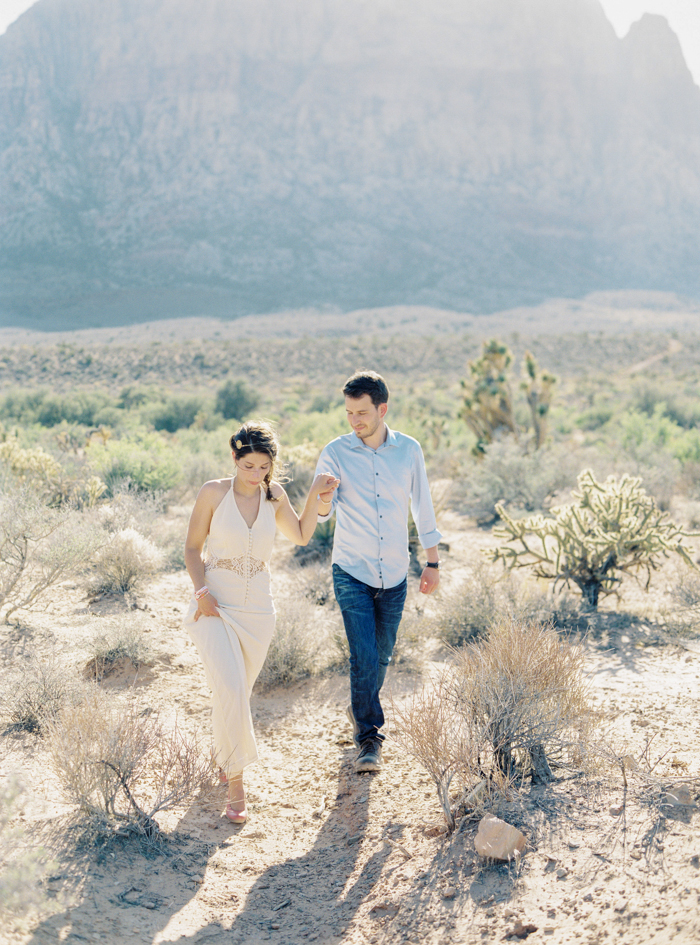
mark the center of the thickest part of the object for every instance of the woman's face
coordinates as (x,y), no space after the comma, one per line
(253,467)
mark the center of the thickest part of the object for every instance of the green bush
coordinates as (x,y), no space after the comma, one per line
(77,407)
(177,412)
(234,400)
(146,463)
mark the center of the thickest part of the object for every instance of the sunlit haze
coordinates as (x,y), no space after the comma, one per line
(683,15)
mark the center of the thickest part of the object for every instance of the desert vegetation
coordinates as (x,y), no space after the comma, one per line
(587,489)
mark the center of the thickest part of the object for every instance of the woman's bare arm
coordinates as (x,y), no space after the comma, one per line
(208,499)
(300,528)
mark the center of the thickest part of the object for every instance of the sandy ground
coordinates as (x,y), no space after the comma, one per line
(329,856)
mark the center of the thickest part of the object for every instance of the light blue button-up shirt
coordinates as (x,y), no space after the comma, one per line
(371,505)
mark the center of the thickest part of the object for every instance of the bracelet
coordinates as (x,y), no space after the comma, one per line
(201,592)
(433,564)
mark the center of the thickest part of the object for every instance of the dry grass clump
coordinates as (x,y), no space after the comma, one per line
(487,596)
(509,475)
(121,767)
(22,864)
(505,707)
(35,692)
(123,641)
(124,563)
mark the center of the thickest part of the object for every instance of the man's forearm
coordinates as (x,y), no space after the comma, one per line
(432,554)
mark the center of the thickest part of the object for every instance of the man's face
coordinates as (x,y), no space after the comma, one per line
(363,416)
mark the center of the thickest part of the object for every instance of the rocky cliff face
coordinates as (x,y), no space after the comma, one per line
(163,157)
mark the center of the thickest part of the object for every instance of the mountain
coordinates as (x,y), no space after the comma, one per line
(223,157)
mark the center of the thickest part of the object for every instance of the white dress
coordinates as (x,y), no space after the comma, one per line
(233,646)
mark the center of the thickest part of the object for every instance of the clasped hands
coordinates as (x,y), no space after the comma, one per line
(324,485)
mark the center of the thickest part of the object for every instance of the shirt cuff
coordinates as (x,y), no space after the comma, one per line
(324,517)
(430,539)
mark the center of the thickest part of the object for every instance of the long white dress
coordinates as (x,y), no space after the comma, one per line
(233,646)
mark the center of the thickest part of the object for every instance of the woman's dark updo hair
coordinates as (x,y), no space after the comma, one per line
(255,436)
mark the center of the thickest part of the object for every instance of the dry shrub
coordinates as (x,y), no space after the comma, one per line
(131,508)
(315,584)
(488,596)
(121,767)
(431,729)
(22,864)
(292,652)
(504,707)
(35,692)
(524,688)
(304,643)
(126,562)
(409,650)
(122,641)
(683,616)
(39,547)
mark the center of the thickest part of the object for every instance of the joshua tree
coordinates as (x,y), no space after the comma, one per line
(488,397)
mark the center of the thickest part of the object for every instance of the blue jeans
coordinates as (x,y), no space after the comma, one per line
(371,616)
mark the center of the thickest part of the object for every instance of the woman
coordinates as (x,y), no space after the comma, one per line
(231,618)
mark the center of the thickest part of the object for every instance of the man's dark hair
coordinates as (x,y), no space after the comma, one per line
(367,382)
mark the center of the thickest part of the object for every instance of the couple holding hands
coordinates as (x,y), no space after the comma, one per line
(369,478)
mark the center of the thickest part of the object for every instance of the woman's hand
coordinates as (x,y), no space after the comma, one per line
(324,485)
(206,607)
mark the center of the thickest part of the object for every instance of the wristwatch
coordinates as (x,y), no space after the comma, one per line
(433,564)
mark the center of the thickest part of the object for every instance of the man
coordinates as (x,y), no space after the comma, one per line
(380,473)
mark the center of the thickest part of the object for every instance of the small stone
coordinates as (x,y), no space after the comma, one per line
(695,861)
(562,873)
(149,905)
(521,930)
(449,892)
(617,809)
(497,839)
(620,904)
(274,925)
(635,854)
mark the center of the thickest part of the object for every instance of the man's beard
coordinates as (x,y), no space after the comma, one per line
(369,431)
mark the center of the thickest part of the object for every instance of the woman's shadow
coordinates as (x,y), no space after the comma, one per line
(316,895)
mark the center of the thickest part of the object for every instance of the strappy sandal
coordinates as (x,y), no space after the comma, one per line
(236,816)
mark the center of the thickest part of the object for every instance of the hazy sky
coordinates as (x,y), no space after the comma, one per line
(683,15)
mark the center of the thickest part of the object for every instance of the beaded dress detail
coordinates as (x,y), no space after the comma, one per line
(233,645)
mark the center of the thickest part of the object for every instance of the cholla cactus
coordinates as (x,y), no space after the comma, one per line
(488,397)
(611,529)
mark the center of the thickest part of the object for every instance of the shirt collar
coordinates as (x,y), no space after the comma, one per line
(356,443)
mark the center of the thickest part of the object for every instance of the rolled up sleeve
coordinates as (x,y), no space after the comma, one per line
(422,504)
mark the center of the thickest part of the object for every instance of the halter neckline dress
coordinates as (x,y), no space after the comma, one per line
(233,645)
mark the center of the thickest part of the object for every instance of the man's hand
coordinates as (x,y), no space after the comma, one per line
(429,580)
